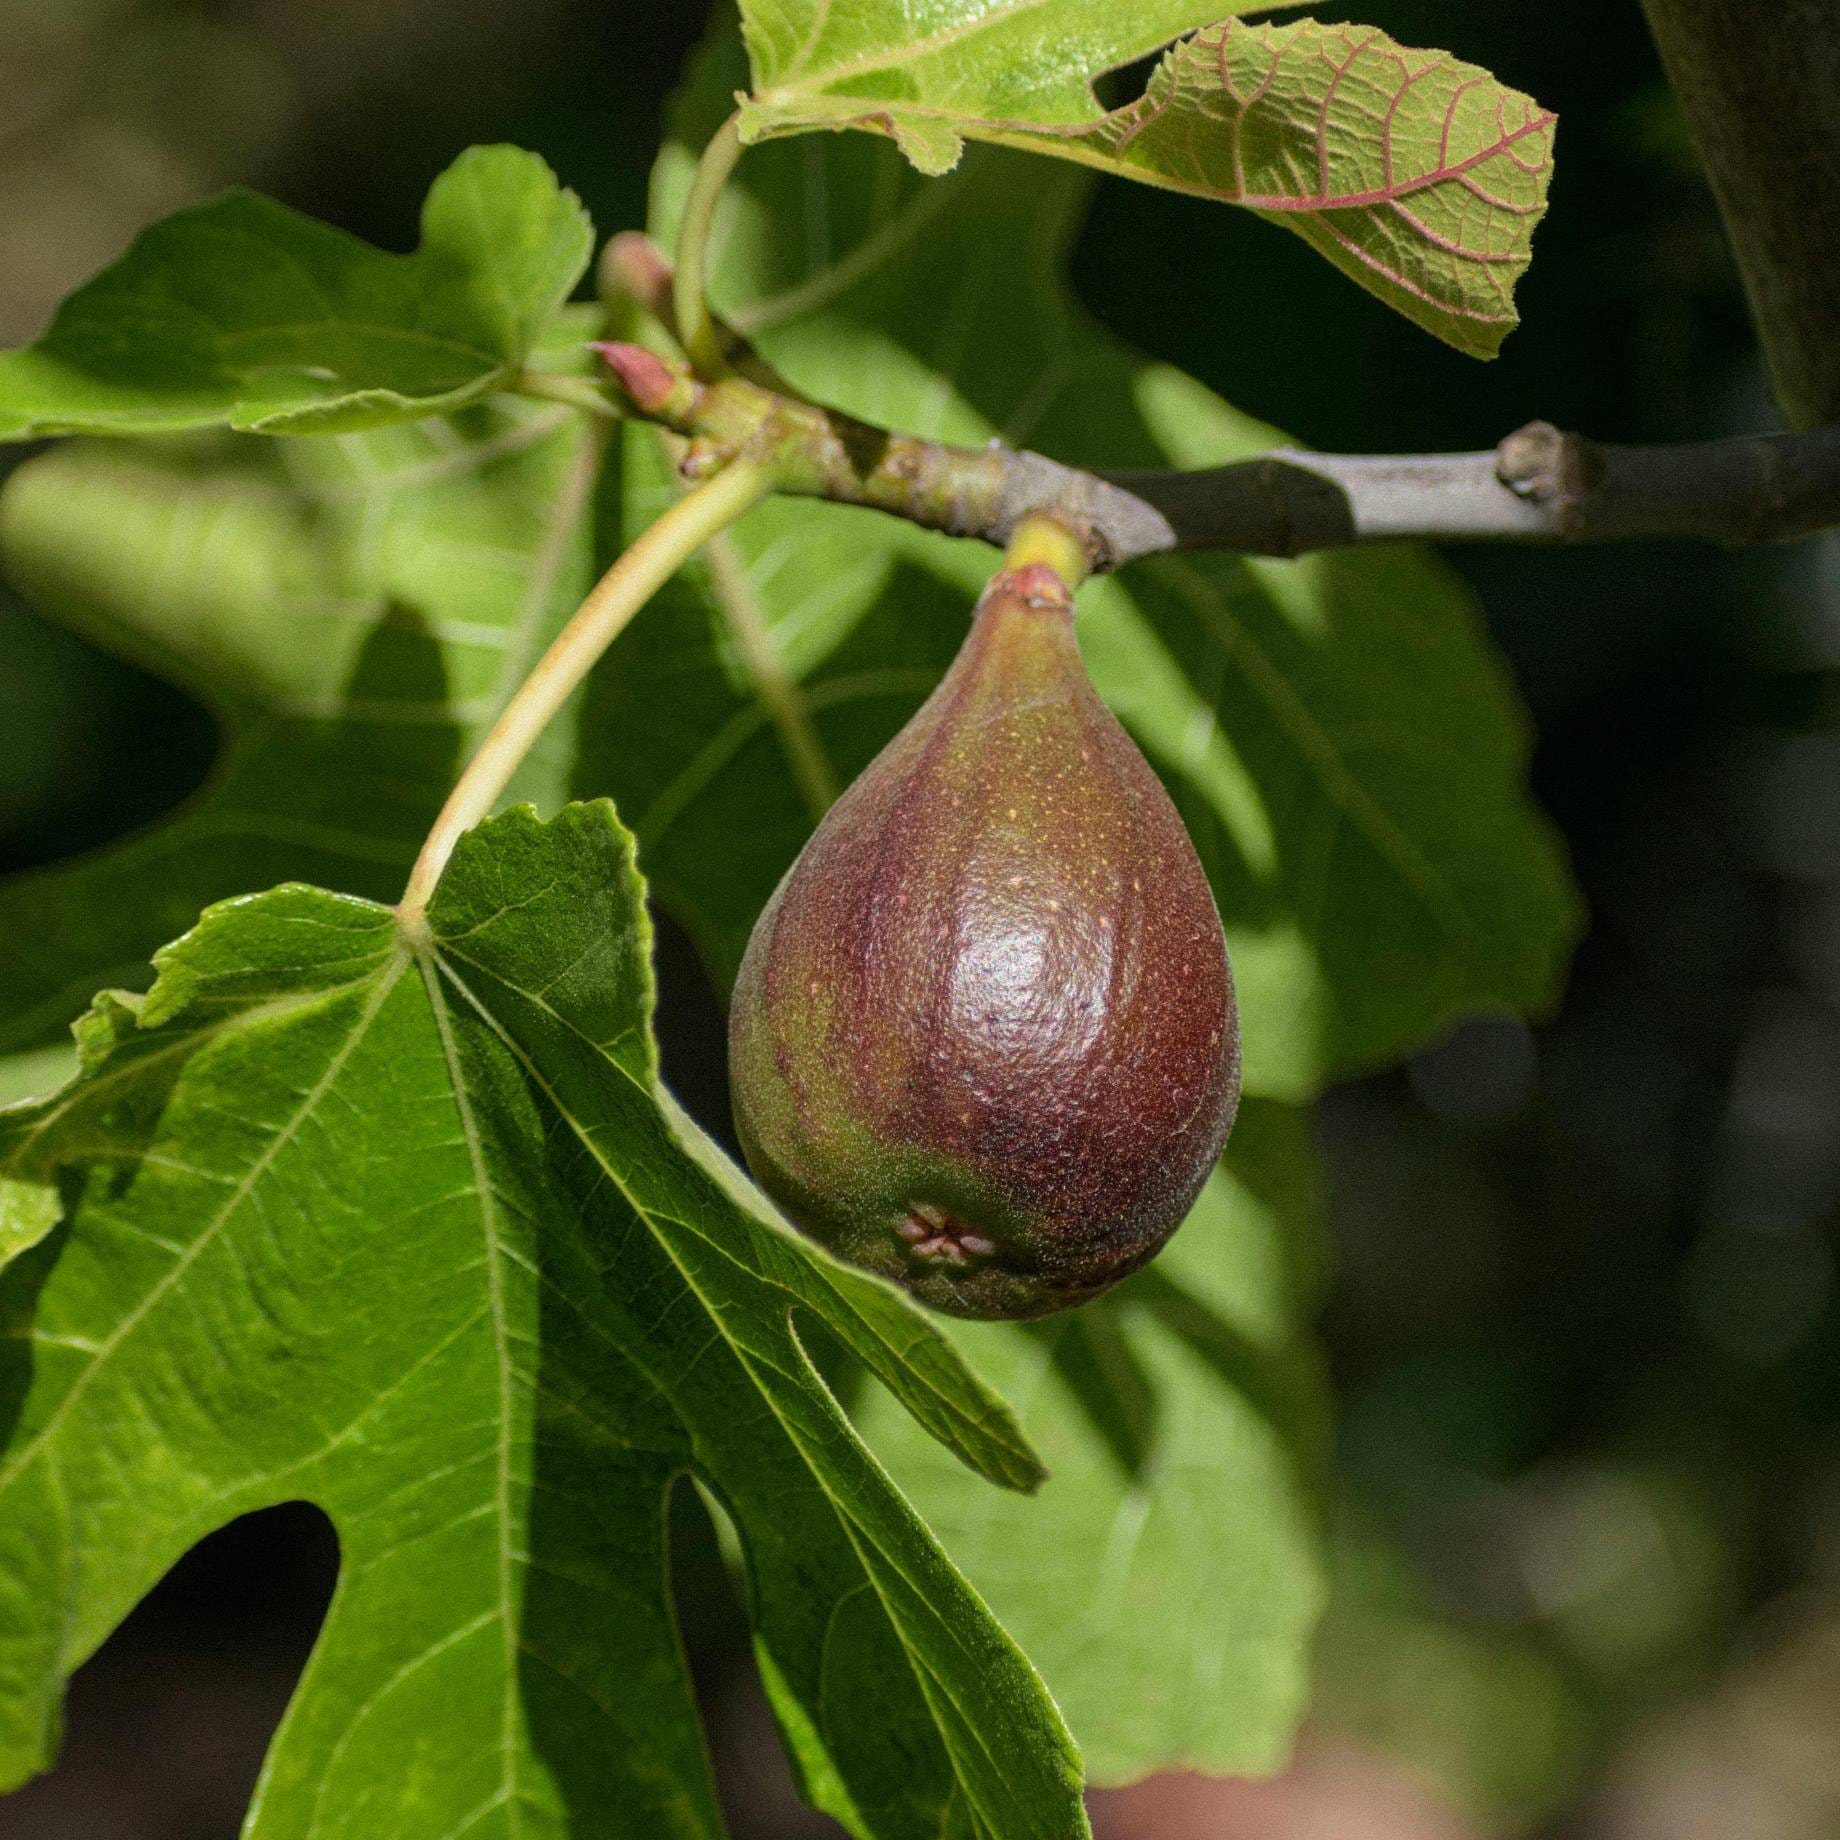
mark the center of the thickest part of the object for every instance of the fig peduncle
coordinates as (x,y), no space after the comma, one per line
(641,570)
(1046,539)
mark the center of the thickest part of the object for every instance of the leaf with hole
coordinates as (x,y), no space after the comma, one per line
(397,1220)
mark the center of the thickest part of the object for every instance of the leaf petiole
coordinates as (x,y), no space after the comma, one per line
(577,392)
(696,330)
(641,570)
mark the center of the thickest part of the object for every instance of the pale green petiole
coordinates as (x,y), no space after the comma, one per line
(642,569)
(696,330)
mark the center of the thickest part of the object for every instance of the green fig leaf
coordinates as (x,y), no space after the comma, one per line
(35,1071)
(914,72)
(1166,1580)
(397,1220)
(1419,176)
(1341,739)
(353,610)
(28,1211)
(241,313)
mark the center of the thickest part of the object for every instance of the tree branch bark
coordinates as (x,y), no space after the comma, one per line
(1538,486)
(1760,83)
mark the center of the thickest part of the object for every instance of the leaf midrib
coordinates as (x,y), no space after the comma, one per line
(444,951)
(1319,751)
(847,1523)
(501,1348)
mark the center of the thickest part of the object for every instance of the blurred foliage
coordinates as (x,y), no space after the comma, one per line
(1583,1319)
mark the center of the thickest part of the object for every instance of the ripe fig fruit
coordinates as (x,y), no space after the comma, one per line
(984,1040)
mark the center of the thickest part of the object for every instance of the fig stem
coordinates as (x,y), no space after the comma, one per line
(696,328)
(640,571)
(1043,537)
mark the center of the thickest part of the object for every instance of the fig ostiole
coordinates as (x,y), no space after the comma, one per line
(983,1039)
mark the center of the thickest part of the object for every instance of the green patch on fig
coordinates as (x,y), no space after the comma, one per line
(984,1039)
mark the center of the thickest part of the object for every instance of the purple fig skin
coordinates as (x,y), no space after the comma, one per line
(984,1039)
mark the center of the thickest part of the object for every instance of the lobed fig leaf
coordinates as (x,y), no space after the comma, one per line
(984,1038)
(241,313)
(399,1221)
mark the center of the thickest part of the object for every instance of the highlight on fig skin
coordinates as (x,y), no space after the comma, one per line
(983,1039)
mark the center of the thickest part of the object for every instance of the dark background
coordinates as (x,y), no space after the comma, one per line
(1582,1319)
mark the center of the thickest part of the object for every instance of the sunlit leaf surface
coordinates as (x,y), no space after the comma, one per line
(1420,176)
(397,1220)
(242,312)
